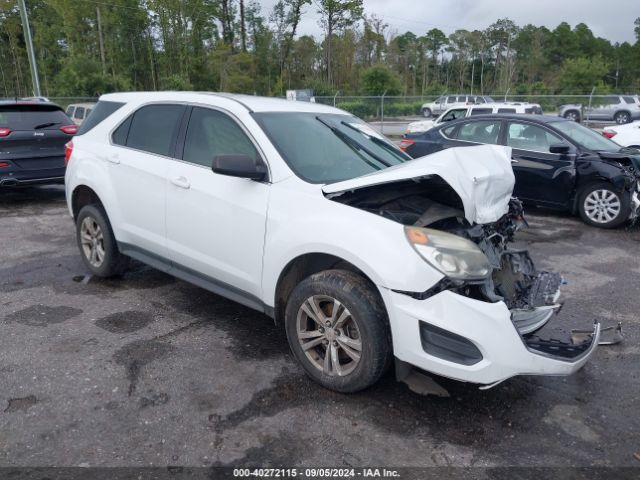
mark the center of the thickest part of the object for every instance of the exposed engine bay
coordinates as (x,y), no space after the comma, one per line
(530,295)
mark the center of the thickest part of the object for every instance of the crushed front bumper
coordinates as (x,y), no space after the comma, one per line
(474,340)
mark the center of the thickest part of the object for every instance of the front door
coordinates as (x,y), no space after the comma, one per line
(216,223)
(541,176)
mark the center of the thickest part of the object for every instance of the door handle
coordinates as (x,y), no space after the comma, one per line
(181,182)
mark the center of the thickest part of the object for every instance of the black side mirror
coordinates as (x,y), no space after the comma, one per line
(560,148)
(239,165)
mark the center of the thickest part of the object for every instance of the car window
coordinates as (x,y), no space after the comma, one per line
(524,136)
(29,116)
(211,133)
(485,131)
(481,111)
(70,110)
(479,100)
(462,99)
(154,128)
(101,111)
(630,100)
(79,114)
(326,148)
(119,136)
(506,110)
(451,99)
(454,114)
(449,131)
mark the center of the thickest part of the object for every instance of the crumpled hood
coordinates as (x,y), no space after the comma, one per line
(482,176)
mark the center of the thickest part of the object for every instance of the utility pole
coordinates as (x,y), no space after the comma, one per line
(104,63)
(27,39)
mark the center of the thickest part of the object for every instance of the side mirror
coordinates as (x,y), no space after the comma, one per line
(560,148)
(239,165)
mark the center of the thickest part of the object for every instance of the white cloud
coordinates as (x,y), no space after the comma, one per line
(612,20)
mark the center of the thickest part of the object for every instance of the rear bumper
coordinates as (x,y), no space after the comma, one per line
(475,325)
(15,177)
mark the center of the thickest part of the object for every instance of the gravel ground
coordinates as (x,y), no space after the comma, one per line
(149,370)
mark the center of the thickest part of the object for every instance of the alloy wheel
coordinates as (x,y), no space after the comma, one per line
(328,335)
(92,241)
(602,206)
(622,118)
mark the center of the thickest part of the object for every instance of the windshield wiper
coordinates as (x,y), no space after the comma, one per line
(351,142)
(45,125)
(375,140)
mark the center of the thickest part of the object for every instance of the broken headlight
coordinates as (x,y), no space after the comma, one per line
(454,256)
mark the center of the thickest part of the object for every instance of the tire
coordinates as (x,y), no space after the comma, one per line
(597,215)
(572,115)
(364,323)
(622,117)
(427,113)
(97,243)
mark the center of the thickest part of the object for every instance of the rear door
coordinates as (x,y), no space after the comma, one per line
(216,223)
(541,176)
(34,140)
(139,157)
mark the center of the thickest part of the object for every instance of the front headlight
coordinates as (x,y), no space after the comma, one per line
(456,257)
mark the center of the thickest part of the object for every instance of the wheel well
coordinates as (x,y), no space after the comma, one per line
(83,196)
(304,266)
(622,111)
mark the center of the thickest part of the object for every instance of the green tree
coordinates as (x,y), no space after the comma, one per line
(378,79)
(580,75)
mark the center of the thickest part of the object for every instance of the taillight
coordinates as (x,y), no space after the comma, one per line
(4,131)
(69,129)
(609,134)
(406,143)
(4,164)
(68,149)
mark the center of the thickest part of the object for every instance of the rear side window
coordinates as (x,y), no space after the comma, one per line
(506,110)
(480,132)
(451,99)
(629,100)
(101,111)
(30,117)
(79,113)
(70,110)
(154,128)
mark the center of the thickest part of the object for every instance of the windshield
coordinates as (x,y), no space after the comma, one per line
(326,148)
(30,117)
(586,137)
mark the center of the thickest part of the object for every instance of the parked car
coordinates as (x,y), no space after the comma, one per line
(613,108)
(312,228)
(79,111)
(557,163)
(624,135)
(462,111)
(444,102)
(32,139)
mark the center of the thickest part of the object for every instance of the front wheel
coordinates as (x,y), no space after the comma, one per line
(427,113)
(572,115)
(601,206)
(338,330)
(97,243)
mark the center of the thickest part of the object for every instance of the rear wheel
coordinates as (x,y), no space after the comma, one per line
(97,243)
(601,206)
(338,330)
(622,117)
(572,115)
(427,112)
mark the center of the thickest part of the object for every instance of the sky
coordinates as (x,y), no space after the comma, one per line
(612,20)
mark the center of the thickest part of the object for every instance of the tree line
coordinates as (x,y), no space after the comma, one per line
(89,47)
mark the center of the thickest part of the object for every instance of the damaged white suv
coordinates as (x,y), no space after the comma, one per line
(304,212)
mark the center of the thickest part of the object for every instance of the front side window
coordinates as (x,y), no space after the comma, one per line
(212,133)
(154,128)
(454,114)
(524,136)
(79,114)
(451,99)
(586,137)
(480,132)
(326,148)
(70,110)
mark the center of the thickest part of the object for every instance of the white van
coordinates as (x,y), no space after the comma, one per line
(460,111)
(79,111)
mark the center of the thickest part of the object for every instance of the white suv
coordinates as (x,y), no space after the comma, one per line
(305,213)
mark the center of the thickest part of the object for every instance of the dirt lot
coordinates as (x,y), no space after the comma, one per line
(149,370)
